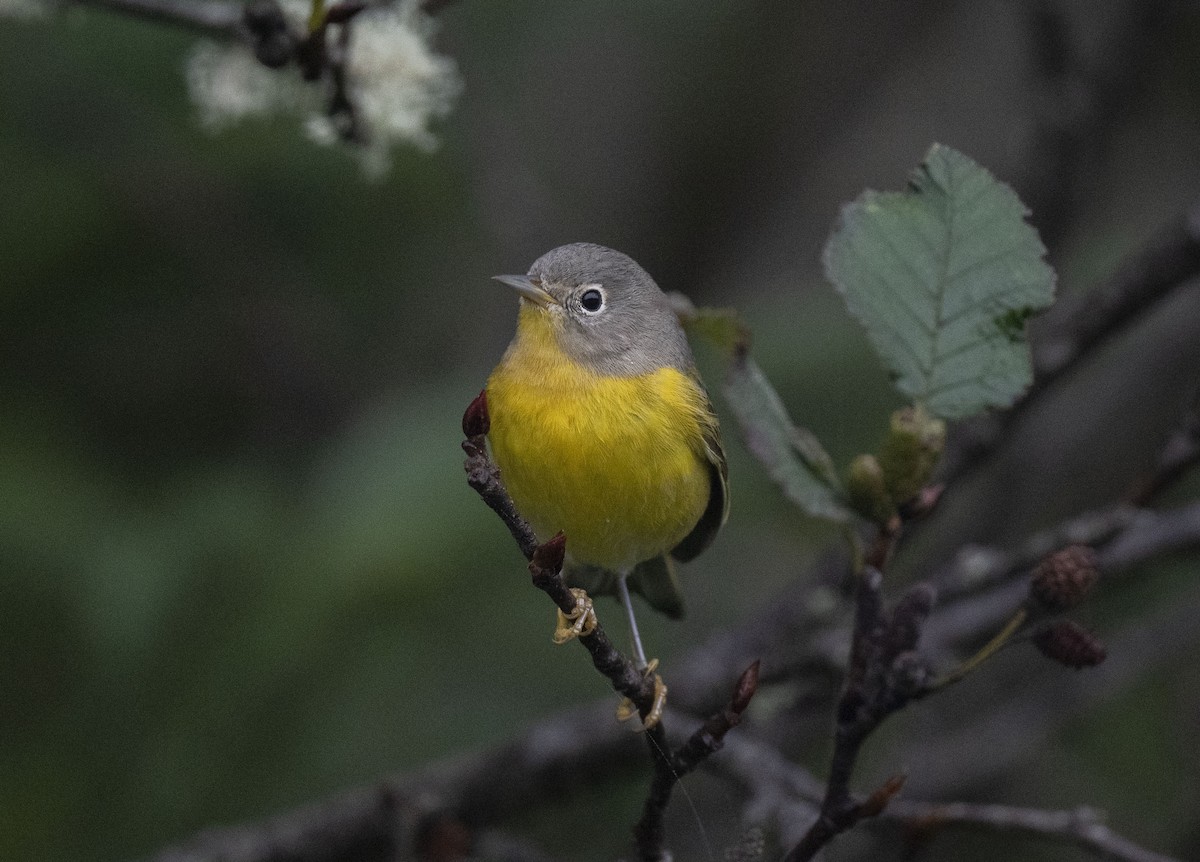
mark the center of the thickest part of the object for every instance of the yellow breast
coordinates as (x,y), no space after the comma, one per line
(616,463)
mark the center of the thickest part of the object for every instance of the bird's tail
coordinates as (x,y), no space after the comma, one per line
(655,580)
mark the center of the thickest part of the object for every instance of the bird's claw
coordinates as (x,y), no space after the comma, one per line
(580,622)
(627,710)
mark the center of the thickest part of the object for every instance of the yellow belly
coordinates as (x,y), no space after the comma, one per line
(616,463)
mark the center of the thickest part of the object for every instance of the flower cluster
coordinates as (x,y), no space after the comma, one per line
(395,82)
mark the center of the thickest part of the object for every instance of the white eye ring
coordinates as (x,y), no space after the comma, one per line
(592,299)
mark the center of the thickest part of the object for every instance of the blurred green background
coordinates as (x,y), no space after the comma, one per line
(239,566)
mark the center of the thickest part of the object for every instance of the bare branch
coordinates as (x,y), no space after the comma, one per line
(1081,321)
(1178,455)
(1009,733)
(1082,827)
(1123,537)
(779,791)
(484,476)
(883,677)
(1080,96)
(1078,324)
(209,17)
(708,739)
(219,18)
(801,633)
(573,749)
(390,818)
(365,824)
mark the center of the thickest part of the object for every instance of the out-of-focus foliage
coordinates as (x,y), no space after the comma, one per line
(239,566)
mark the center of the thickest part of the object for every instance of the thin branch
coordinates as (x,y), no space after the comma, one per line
(1080,96)
(1180,453)
(364,824)
(276,42)
(778,789)
(883,677)
(484,477)
(1083,827)
(801,634)
(709,738)
(390,818)
(217,18)
(1123,536)
(1080,323)
(576,748)
(1011,732)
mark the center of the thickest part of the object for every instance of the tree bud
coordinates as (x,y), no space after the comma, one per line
(868,493)
(910,452)
(476,422)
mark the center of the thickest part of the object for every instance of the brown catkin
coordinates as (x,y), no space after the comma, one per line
(1063,578)
(1070,644)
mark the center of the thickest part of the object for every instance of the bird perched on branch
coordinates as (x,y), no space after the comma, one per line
(602,429)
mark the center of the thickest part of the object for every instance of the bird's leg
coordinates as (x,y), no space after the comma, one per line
(623,589)
(626,710)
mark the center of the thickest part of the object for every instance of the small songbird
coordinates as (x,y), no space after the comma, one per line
(602,429)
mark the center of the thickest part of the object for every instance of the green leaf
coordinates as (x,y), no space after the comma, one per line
(793,456)
(943,277)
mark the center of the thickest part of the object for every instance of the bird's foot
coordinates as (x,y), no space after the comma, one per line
(627,710)
(580,622)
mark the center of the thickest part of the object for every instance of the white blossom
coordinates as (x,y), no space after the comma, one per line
(228,85)
(397,84)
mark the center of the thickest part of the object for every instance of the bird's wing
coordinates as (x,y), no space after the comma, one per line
(717,509)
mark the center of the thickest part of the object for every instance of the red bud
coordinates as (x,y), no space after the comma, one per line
(747,685)
(476,422)
(881,796)
(923,503)
(549,555)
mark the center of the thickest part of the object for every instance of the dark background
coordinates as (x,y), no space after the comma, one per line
(239,566)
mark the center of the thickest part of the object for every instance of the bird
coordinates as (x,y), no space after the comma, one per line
(602,429)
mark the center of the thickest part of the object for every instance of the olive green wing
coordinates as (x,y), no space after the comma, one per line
(717,510)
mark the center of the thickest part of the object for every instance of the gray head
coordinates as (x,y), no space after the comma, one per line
(605,310)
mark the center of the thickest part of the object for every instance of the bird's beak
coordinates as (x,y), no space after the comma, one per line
(523,285)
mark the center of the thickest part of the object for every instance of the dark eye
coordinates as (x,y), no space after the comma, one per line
(591,300)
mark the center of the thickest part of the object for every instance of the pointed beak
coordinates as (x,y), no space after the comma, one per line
(523,285)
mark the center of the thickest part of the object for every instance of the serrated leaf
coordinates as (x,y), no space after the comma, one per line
(793,456)
(943,277)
